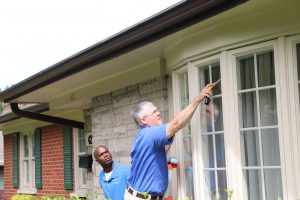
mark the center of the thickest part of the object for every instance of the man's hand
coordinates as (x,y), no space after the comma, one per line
(184,116)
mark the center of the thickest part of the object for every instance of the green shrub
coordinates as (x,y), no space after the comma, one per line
(53,197)
(33,197)
(23,197)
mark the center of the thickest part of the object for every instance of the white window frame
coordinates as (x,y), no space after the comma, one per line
(178,140)
(199,176)
(280,81)
(80,188)
(192,69)
(27,188)
(288,113)
(294,104)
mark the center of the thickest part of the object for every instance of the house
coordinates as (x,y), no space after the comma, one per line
(246,140)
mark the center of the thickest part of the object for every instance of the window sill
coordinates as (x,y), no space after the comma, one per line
(81,193)
(27,191)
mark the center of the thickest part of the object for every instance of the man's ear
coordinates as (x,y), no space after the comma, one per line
(143,122)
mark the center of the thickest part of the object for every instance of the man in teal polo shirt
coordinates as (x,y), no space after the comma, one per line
(113,177)
(149,172)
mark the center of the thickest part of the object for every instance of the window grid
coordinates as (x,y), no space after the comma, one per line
(214,133)
(82,173)
(186,138)
(259,128)
(28,160)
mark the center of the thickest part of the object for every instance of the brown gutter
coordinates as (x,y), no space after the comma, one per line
(163,24)
(47,118)
(39,108)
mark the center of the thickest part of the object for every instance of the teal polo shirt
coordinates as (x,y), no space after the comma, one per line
(114,188)
(149,167)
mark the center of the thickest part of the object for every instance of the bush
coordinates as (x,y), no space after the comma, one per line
(32,197)
(23,197)
(53,197)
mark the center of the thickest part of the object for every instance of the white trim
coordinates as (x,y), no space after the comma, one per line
(178,141)
(284,128)
(27,188)
(78,186)
(294,104)
(27,191)
(196,137)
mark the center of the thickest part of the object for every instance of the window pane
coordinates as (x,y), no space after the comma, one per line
(208,151)
(26,152)
(33,146)
(267,104)
(207,118)
(250,148)
(26,171)
(215,73)
(248,110)
(222,185)
(184,90)
(246,72)
(210,185)
(252,185)
(273,184)
(270,147)
(83,177)
(218,117)
(81,140)
(206,75)
(188,161)
(1,178)
(220,153)
(265,69)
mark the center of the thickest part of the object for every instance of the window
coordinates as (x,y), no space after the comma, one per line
(27,161)
(258,126)
(81,173)
(212,134)
(186,138)
(182,187)
(1,177)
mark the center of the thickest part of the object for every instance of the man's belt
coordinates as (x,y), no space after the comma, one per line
(143,196)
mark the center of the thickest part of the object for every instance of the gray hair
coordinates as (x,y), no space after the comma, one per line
(137,113)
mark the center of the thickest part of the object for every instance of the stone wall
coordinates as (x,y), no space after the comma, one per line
(111,123)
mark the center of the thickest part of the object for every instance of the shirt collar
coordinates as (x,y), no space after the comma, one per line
(113,175)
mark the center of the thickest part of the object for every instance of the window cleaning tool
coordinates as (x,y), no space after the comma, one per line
(211,86)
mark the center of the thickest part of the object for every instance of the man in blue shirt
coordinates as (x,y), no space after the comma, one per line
(149,172)
(113,177)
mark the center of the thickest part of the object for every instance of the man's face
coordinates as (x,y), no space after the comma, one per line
(151,116)
(103,156)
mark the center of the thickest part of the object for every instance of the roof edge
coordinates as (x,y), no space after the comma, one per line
(165,23)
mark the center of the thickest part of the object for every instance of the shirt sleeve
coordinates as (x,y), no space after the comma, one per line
(159,136)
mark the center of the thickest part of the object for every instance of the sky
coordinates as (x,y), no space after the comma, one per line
(36,34)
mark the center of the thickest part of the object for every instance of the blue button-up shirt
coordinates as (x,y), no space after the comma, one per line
(114,188)
(149,167)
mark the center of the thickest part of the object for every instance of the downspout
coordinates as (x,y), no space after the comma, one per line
(46,118)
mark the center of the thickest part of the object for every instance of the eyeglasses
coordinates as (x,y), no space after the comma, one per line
(156,111)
